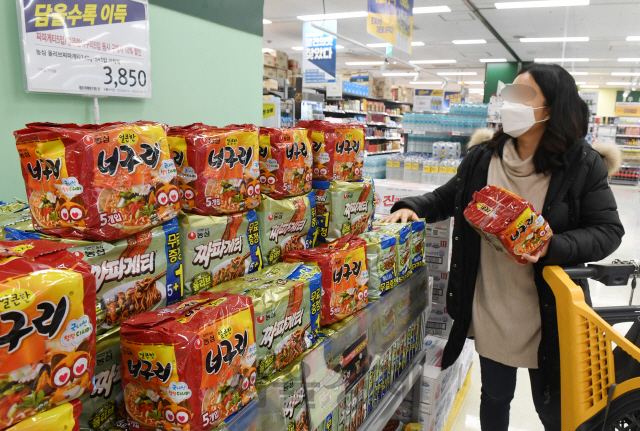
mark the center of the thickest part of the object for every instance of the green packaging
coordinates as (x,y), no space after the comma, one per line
(381,261)
(416,242)
(402,233)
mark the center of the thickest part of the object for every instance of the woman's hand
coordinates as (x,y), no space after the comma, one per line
(404,215)
(543,253)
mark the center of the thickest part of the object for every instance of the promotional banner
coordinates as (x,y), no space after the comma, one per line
(392,21)
(591,99)
(319,52)
(87,47)
(453,97)
(428,100)
(628,109)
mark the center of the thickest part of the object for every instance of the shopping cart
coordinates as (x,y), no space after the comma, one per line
(600,385)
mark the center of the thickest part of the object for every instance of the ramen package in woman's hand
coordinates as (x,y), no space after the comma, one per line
(507,222)
(285,162)
(47,321)
(338,150)
(98,182)
(218,249)
(191,365)
(345,276)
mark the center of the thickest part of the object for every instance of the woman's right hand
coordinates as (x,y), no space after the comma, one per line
(404,215)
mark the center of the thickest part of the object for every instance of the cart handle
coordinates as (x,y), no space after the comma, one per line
(615,274)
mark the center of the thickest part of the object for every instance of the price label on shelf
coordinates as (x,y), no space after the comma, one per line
(455,133)
(97,48)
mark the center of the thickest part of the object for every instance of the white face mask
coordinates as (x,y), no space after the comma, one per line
(517,118)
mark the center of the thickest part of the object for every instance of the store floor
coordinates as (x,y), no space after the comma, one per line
(523,414)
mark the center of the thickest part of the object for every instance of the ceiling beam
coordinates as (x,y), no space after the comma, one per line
(472,7)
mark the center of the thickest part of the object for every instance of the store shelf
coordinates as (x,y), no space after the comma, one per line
(388,126)
(461,134)
(375,99)
(376,153)
(623,182)
(387,407)
(343,112)
(628,136)
(383,138)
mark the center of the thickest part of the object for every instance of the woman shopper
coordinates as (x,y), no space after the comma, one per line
(540,155)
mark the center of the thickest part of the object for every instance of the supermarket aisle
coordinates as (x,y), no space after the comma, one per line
(523,414)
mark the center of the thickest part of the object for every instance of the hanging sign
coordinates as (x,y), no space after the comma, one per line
(591,99)
(453,97)
(392,21)
(428,100)
(86,47)
(628,109)
(319,52)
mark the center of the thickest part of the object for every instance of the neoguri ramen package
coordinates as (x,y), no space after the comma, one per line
(286,225)
(98,182)
(287,318)
(345,278)
(338,150)
(343,208)
(381,261)
(190,365)
(47,321)
(402,232)
(285,162)
(65,417)
(103,409)
(218,249)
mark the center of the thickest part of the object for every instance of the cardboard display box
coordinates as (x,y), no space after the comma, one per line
(436,383)
(281,73)
(282,60)
(437,254)
(268,60)
(439,322)
(388,192)
(440,284)
(269,71)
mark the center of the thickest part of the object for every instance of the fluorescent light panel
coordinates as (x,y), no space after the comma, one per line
(417,43)
(342,15)
(456,73)
(476,90)
(432,61)
(469,41)
(400,74)
(633,38)
(426,82)
(385,44)
(589,86)
(493,60)
(554,39)
(471,82)
(558,60)
(580,82)
(431,9)
(297,48)
(364,63)
(623,84)
(629,59)
(579,73)
(265,21)
(625,73)
(540,3)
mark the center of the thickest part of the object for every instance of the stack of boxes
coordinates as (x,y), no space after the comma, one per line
(381,88)
(276,64)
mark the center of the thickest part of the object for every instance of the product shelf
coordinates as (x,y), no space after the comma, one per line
(462,134)
(383,138)
(627,136)
(375,153)
(383,125)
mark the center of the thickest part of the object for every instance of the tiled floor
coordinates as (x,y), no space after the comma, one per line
(523,414)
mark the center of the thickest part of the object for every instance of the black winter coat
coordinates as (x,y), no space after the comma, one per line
(581,210)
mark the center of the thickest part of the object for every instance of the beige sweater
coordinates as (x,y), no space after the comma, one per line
(506,311)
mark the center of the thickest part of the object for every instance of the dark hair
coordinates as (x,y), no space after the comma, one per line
(568,122)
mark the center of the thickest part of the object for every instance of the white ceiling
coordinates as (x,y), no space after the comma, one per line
(606,22)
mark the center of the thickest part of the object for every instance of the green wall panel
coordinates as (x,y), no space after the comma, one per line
(634,95)
(494,72)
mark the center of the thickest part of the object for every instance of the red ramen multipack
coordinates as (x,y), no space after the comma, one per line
(507,222)
(98,182)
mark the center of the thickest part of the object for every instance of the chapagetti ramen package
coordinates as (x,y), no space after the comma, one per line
(338,150)
(402,233)
(218,249)
(98,182)
(507,222)
(343,208)
(345,277)
(285,225)
(65,417)
(47,321)
(177,138)
(190,365)
(381,261)
(416,242)
(285,162)
(222,169)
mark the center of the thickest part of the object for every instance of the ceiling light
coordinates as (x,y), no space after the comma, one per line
(265,21)
(580,82)
(469,41)
(456,73)
(431,9)
(339,47)
(432,61)
(589,86)
(558,60)
(471,82)
(364,63)
(476,90)
(417,43)
(297,48)
(399,74)
(426,82)
(625,73)
(268,50)
(579,73)
(378,45)
(493,60)
(322,17)
(554,39)
(633,38)
(540,3)
(623,84)
(629,59)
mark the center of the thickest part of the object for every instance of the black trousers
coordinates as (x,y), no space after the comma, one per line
(498,388)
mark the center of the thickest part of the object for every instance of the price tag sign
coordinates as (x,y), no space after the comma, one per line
(86,47)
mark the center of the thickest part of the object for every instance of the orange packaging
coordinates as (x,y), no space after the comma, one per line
(285,162)
(191,365)
(98,182)
(65,417)
(345,276)
(507,222)
(338,150)
(47,328)
(219,168)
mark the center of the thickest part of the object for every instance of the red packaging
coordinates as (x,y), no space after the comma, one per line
(345,276)
(338,150)
(47,328)
(64,417)
(285,162)
(98,182)
(191,365)
(507,222)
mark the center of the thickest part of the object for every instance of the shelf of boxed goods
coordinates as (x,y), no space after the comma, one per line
(628,136)
(374,153)
(384,138)
(375,331)
(463,134)
(389,126)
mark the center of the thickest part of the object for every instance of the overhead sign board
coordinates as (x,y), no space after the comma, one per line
(319,52)
(392,21)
